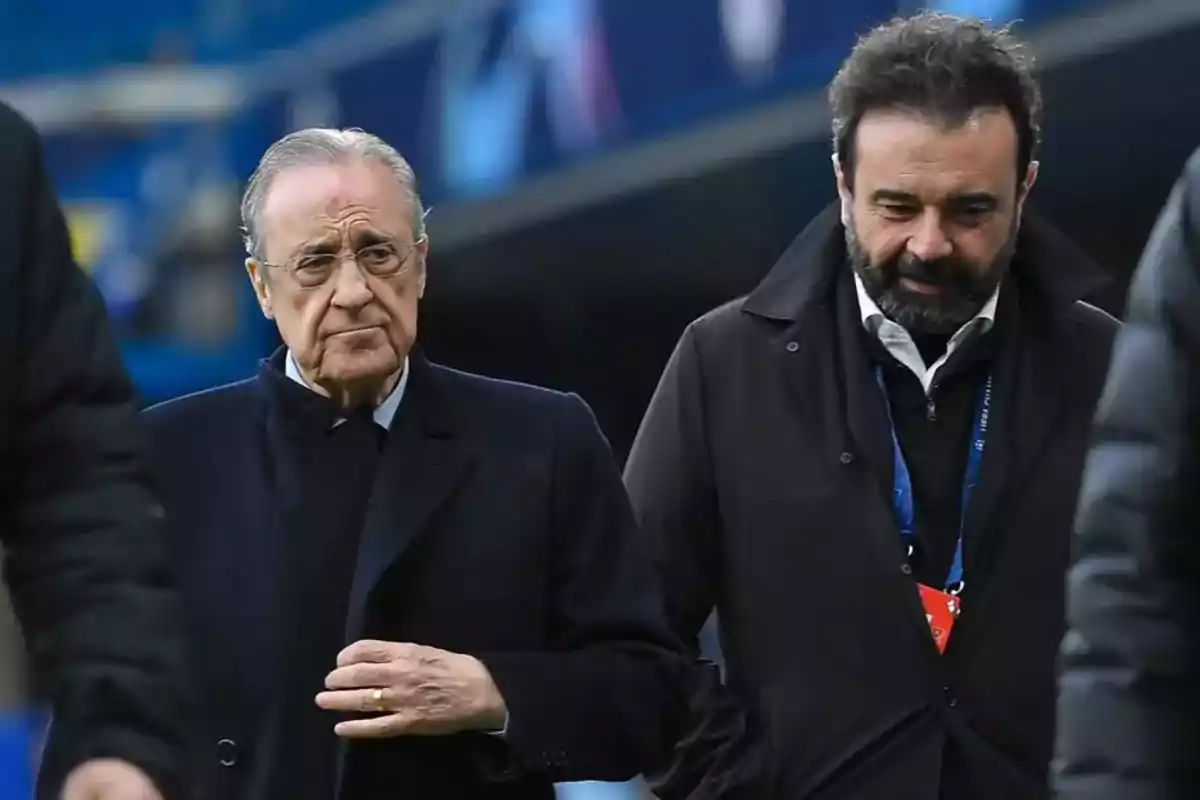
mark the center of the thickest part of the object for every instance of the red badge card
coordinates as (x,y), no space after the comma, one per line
(941,611)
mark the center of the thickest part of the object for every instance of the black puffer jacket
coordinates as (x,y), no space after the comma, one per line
(85,550)
(1129,710)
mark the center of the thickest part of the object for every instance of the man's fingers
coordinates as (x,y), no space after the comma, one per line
(355,676)
(371,728)
(398,724)
(370,651)
(367,701)
(108,779)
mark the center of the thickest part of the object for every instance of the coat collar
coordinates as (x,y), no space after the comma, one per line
(1047,267)
(300,408)
(426,455)
(383,414)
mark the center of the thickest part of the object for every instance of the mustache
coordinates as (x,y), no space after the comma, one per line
(949,273)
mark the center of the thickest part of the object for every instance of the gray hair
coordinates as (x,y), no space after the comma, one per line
(322,146)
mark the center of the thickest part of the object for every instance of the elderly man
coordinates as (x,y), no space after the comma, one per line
(402,580)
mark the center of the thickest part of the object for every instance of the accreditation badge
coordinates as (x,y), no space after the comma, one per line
(941,612)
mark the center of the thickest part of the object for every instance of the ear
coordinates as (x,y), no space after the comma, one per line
(1031,176)
(843,190)
(421,252)
(262,291)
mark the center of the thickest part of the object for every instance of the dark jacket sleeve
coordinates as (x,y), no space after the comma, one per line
(669,479)
(85,561)
(669,476)
(603,705)
(1130,689)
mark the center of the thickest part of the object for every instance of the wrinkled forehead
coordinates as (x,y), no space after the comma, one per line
(933,160)
(327,203)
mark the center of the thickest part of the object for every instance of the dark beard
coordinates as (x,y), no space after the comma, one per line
(965,290)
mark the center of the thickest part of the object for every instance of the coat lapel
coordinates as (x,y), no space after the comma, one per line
(808,362)
(866,406)
(996,468)
(422,464)
(867,422)
(1049,275)
(842,409)
(424,460)
(1039,385)
(1042,389)
(829,377)
(799,295)
(821,347)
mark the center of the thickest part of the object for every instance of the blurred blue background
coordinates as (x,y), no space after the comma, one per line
(155,113)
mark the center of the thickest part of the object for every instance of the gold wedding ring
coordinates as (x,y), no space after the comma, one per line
(377,699)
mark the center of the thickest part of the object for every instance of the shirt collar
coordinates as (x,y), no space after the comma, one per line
(900,344)
(873,318)
(384,413)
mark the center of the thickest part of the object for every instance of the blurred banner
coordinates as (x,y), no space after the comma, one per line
(491,98)
(483,96)
(67,37)
(480,95)
(153,214)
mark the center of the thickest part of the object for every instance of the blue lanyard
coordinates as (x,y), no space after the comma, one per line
(902,493)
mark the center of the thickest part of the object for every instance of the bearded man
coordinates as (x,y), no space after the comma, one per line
(869,466)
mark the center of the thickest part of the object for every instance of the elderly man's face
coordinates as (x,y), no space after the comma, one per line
(932,216)
(349,323)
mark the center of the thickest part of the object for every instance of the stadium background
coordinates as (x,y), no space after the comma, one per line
(600,171)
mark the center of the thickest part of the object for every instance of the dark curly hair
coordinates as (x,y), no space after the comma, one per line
(941,66)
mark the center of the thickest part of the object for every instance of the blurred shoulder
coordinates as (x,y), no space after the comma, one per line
(514,417)
(20,145)
(727,333)
(506,399)
(218,404)
(723,320)
(16,128)
(1093,319)
(1191,174)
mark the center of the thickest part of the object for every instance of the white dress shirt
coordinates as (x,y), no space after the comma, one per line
(900,344)
(385,412)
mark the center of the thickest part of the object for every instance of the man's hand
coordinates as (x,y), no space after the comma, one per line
(108,779)
(415,690)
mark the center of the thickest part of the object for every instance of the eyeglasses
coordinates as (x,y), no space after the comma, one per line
(382,260)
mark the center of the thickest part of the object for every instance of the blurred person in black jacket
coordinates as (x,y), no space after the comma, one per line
(81,528)
(891,425)
(1129,707)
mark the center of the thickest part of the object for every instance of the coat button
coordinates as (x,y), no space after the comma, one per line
(846,458)
(792,347)
(227,752)
(906,569)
